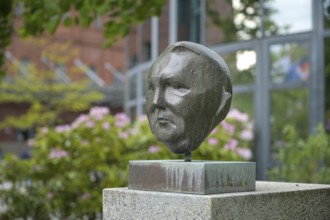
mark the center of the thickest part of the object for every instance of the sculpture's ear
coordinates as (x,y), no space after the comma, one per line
(224,105)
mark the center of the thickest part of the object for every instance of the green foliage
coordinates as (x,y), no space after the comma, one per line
(118,16)
(6,29)
(303,159)
(71,164)
(45,16)
(47,96)
(327,81)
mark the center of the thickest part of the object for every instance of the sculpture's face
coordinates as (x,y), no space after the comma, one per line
(179,105)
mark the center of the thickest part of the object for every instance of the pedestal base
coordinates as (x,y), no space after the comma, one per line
(269,201)
(197,177)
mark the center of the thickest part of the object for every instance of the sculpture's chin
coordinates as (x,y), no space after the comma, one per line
(177,146)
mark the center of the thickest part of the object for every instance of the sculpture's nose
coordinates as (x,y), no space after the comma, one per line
(158,99)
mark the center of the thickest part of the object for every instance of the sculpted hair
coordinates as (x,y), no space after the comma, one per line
(221,70)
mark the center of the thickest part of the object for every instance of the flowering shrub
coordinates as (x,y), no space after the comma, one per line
(302,159)
(230,140)
(72,163)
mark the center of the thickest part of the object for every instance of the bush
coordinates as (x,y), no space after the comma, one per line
(71,164)
(303,159)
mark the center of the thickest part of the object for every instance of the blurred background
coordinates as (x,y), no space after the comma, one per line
(73,85)
(277,51)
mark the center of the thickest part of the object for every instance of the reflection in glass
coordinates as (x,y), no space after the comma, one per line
(288,16)
(132,47)
(132,112)
(327,82)
(146,41)
(241,65)
(326,13)
(244,102)
(189,13)
(289,106)
(163,28)
(290,63)
(235,20)
(132,87)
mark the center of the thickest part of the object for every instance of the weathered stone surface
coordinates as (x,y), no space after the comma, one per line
(198,177)
(270,201)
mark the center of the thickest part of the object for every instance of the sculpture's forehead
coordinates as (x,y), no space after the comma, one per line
(173,64)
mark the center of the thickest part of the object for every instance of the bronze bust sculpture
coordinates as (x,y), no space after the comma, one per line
(189,94)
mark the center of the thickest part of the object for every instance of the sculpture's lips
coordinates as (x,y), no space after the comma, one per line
(163,120)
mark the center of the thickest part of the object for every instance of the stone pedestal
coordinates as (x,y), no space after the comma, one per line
(270,201)
(197,177)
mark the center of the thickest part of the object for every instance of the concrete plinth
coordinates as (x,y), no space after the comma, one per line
(270,201)
(197,177)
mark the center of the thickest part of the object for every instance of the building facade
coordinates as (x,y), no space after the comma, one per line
(102,67)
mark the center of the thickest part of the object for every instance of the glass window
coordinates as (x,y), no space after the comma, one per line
(23,66)
(241,65)
(228,21)
(288,107)
(132,87)
(189,20)
(290,63)
(132,112)
(132,48)
(327,82)
(60,70)
(326,13)
(146,41)
(163,28)
(286,17)
(244,102)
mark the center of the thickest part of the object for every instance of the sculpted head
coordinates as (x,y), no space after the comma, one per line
(189,94)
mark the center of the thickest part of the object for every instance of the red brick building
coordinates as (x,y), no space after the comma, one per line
(104,67)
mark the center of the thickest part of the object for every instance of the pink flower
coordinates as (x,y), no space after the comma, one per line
(44,130)
(90,124)
(212,141)
(153,149)
(228,127)
(84,142)
(214,131)
(237,115)
(85,196)
(121,120)
(62,128)
(79,120)
(30,142)
(123,135)
(50,195)
(98,112)
(245,153)
(231,144)
(142,118)
(57,153)
(105,125)
(246,135)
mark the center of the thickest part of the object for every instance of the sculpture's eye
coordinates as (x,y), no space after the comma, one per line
(176,86)
(151,87)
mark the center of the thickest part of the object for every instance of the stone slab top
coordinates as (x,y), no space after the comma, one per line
(271,200)
(191,162)
(262,187)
